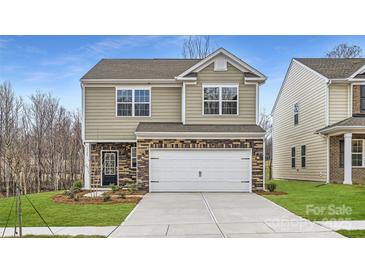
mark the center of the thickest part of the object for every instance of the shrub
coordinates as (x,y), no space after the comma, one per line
(106,197)
(77,198)
(77,184)
(132,187)
(271,187)
(121,195)
(114,188)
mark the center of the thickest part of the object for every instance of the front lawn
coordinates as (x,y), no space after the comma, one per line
(58,214)
(319,201)
(352,233)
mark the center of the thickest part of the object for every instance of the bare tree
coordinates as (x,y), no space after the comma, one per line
(345,51)
(40,143)
(196,47)
(266,124)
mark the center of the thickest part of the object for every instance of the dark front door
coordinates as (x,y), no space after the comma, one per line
(109,168)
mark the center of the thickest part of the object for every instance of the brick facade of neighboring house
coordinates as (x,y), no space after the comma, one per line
(356,99)
(336,171)
(144,145)
(126,173)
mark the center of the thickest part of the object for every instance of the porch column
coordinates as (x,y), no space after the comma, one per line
(348,159)
(87,147)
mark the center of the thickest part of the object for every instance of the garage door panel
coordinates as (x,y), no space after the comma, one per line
(200,170)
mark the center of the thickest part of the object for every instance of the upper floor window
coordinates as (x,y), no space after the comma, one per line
(296,113)
(220,100)
(362,98)
(133,102)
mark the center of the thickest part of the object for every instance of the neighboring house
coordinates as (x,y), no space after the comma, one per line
(319,121)
(173,124)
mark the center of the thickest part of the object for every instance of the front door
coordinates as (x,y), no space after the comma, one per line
(109,168)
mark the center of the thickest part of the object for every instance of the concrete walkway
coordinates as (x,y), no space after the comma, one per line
(347,225)
(216,215)
(68,230)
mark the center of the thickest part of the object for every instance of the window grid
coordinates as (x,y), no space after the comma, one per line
(133,102)
(133,157)
(109,163)
(357,153)
(231,105)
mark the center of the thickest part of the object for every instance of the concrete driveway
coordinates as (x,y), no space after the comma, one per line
(215,215)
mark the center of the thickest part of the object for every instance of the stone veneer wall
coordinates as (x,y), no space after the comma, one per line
(356,99)
(144,145)
(337,172)
(126,173)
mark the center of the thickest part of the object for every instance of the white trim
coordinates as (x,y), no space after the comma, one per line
(347,158)
(328,160)
(257,104)
(177,85)
(327,104)
(264,163)
(343,128)
(359,71)
(183,102)
(111,141)
(220,86)
(87,174)
(134,157)
(133,88)
(178,78)
(350,94)
(139,81)
(199,134)
(201,137)
(101,164)
(230,56)
(83,112)
(182,149)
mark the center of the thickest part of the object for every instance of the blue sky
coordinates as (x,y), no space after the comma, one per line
(56,63)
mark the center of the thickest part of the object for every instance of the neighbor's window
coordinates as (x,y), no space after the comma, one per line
(220,100)
(362,98)
(133,157)
(296,113)
(293,157)
(357,153)
(133,102)
(303,155)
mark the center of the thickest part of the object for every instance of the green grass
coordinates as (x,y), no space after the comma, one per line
(352,233)
(330,198)
(57,214)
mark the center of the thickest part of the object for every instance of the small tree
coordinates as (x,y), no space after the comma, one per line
(344,51)
(196,47)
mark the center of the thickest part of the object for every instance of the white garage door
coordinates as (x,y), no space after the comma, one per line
(200,170)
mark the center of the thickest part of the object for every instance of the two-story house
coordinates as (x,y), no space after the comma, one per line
(319,121)
(173,124)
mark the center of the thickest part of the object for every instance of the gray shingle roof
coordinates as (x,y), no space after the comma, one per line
(349,122)
(334,68)
(139,68)
(179,127)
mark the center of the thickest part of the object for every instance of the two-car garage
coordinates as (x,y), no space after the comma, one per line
(200,170)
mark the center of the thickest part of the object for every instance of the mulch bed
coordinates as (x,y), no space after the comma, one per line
(114,199)
(261,192)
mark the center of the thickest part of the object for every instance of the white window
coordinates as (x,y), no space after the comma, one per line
(357,153)
(133,102)
(220,99)
(133,157)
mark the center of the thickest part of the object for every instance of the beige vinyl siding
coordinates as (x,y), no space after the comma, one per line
(310,91)
(247,97)
(338,103)
(101,122)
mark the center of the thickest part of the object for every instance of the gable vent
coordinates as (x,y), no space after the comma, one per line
(220,63)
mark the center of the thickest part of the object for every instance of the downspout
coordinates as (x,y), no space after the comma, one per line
(183,103)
